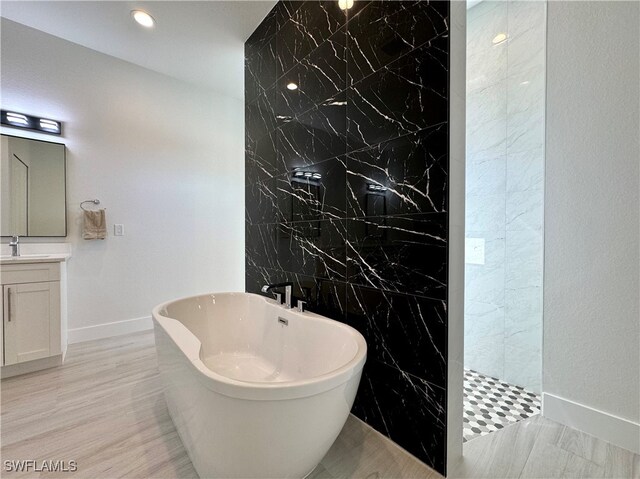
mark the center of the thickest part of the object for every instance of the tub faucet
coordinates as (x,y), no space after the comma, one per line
(287,291)
(15,245)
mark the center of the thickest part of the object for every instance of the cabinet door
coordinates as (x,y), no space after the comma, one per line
(31,312)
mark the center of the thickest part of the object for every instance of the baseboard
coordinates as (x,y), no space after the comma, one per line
(610,428)
(30,366)
(107,330)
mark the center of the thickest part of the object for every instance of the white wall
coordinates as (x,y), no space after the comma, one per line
(591,291)
(165,158)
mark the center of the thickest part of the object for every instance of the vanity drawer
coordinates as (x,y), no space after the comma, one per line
(29,273)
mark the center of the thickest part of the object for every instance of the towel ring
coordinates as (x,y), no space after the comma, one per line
(95,202)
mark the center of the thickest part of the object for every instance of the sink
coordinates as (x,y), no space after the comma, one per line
(25,256)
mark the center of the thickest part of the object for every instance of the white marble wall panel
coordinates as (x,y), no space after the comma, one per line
(525,171)
(484,339)
(489,176)
(505,191)
(524,211)
(484,283)
(523,307)
(487,18)
(523,259)
(522,366)
(487,122)
(486,67)
(487,214)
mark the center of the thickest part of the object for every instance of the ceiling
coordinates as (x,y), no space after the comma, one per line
(198,42)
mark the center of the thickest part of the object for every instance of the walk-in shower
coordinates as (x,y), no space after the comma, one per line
(504,212)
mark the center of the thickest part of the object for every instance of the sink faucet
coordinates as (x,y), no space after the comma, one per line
(287,291)
(15,245)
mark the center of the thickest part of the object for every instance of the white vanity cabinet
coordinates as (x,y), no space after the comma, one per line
(32,304)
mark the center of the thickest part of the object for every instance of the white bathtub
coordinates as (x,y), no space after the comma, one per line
(251,396)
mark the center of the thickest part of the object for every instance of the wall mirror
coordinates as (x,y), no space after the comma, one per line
(32,187)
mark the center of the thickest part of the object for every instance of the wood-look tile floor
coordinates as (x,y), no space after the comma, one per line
(105,410)
(540,448)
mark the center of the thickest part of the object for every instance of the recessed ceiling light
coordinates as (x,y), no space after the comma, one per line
(345,4)
(143,18)
(292,86)
(499,38)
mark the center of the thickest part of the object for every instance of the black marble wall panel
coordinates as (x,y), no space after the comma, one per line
(304,198)
(406,408)
(405,96)
(403,176)
(405,254)
(346,191)
(386,31)
(320,77)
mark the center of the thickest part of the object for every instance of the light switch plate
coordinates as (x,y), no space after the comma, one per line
(118,230)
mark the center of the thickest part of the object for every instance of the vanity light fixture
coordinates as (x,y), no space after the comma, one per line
(27,122)
(143,18)
(377,188)
(499,38)
(345,4)
(292,86)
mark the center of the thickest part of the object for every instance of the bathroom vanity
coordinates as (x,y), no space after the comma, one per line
(33,305)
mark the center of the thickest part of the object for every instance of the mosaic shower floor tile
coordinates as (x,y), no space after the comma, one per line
(491,404)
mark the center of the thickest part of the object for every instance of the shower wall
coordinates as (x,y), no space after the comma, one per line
(346,173)
(504,190)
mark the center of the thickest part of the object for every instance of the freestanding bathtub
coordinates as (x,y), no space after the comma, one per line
(255,390)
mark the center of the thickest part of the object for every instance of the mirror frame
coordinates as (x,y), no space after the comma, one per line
(64,166)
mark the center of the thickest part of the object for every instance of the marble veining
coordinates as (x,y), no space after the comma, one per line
(381,317)
(406,175)
(406,254)
(405,96)
(315,136)
(419,416)
(319,78)
(385,31)
(346,191)
(315,248)
(305,30)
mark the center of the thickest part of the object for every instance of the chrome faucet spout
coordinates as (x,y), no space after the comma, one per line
(288,288)
(15,245)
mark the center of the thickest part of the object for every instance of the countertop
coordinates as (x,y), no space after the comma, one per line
(35,258)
